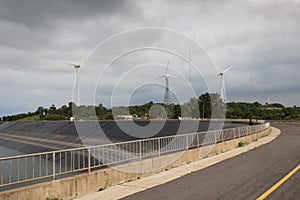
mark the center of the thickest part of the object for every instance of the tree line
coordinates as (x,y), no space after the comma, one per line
(208,105)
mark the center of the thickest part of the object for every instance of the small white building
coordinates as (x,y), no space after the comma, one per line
(125,117)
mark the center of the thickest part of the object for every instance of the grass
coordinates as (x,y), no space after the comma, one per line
(31,118)
(294,122)
(48,198)
(242,144)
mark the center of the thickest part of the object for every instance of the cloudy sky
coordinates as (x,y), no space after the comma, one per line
(260,39)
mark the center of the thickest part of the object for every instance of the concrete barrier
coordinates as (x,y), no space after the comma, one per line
(68,188)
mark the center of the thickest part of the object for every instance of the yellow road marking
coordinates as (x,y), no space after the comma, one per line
(279,183)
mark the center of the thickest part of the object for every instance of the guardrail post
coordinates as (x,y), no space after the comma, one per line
(33,167)
(198,143)
(2,169)
(222,135)
(215,137)
(53,165)
(10,170)
(89,159)
(72,161)
(187,142)
(158,143)
(140,145)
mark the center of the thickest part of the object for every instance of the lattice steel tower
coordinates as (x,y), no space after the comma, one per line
(167,98)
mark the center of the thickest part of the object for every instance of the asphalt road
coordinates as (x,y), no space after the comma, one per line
(246,176)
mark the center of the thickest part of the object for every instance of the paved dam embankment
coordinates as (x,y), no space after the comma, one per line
(42,136)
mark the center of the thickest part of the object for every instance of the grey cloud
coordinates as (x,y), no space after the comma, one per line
(39,25)
(35,13)
(261,38)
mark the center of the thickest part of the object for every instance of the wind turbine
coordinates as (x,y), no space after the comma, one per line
(167,98)
(268,100)
(222,82)
(77,67)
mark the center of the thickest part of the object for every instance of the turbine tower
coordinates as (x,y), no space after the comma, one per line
(77,67)
(167,98)
(222,82)
(268,100)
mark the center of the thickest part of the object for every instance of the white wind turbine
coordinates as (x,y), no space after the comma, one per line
(167,98)
(222,82)
(77,67)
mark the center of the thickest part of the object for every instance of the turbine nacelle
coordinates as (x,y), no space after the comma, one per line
(163,76)
(76,66)
(222,81)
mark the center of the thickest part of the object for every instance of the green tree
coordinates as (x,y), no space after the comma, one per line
(211,105)
(52,110)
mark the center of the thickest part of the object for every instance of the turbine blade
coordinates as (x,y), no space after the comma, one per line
(218,70)
(227,69)
(83,58)
(72,64)
(167,68)
(52,61)
(159,77)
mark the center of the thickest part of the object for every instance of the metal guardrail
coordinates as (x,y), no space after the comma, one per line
(25,168)
(258,121)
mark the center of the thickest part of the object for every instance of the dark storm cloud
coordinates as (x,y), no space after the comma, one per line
(35,13)
(34,33)
(36,23)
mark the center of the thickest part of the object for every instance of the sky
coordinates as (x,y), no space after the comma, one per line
(259,38)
